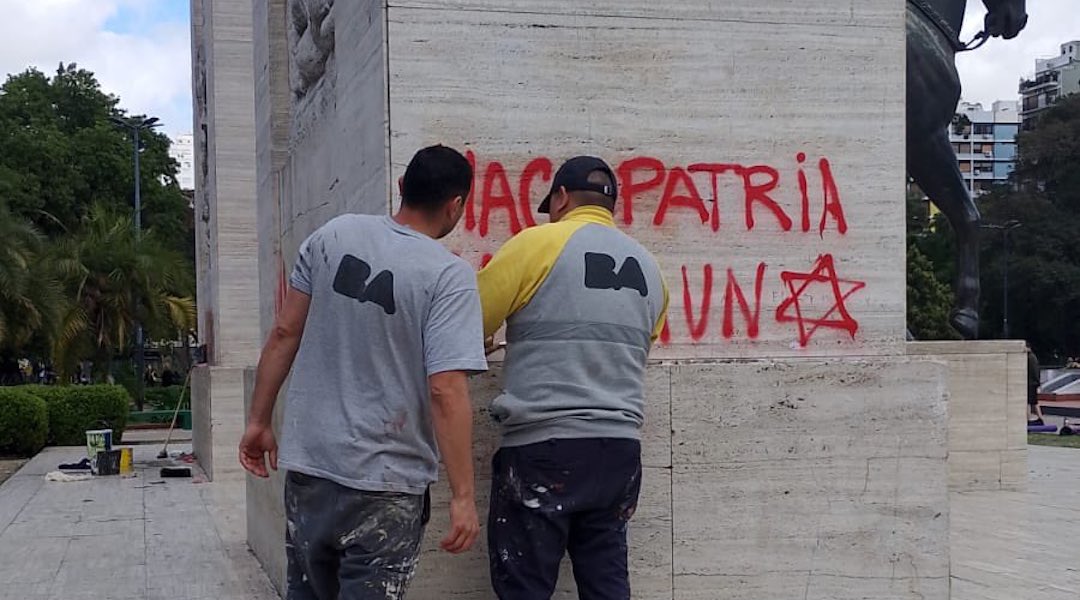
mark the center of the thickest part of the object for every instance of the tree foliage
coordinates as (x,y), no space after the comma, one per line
(114,280)
(929,299)
(1043,257)
(73,279)
(30,298)
(60,155)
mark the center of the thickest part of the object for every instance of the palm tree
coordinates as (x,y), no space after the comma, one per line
(30,298)
(112,279)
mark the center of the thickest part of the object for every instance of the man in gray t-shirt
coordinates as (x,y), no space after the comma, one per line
(380,325)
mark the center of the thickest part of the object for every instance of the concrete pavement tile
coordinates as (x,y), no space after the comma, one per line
(33,524)
(98,581)
(30,560)
(131,527)
(105,552)
(26,591)
(191,585)
(15,494)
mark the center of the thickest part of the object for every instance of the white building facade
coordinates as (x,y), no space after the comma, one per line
(182,150)
(986,148)
(1054,77)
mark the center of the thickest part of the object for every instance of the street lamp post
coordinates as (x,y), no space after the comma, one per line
(135,127)
(1005,229)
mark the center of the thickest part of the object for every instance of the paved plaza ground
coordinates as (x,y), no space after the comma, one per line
(153,538)
(119,539)
(1021,546)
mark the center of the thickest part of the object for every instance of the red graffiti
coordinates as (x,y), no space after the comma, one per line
(824,272)
(672,190)
(795,195)
(759,193)
(495,176)
(538,166)
(698,306)
(833,207)
(690,199)
(804,194)
(732,294)
(697,330)
(715,170)
(631,188)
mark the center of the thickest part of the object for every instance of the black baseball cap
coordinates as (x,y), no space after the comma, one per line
(574,176)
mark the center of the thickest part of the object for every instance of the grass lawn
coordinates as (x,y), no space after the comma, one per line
(1053,439)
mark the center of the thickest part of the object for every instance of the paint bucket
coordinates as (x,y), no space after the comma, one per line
(127,463)
(108,462)
(98,440)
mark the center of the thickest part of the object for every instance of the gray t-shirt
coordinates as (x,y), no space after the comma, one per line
(389,307)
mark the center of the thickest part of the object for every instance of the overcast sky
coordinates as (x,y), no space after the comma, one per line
(140,49)
(993,71)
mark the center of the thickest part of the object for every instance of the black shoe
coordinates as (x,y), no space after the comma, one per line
(82,465)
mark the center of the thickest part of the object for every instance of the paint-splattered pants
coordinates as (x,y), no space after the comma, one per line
(562,496)
(347,544)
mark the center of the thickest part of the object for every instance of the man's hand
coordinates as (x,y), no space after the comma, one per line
(274,364)
(490,346)
(464,526)
(258,441)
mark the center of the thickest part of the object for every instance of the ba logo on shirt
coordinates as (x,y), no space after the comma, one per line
(352,281)
(600,274)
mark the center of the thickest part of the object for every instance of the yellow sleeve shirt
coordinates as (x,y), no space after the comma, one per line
(522,265)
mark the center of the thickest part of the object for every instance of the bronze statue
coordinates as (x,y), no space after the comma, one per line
(933,91)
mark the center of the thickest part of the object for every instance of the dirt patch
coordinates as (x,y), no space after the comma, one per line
(8,466)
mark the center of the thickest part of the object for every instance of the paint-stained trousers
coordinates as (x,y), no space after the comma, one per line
(557,497)
(346,544)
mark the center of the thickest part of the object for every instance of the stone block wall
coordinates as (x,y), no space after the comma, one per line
(987,412)
(756,146)
(762,479)
(227,237)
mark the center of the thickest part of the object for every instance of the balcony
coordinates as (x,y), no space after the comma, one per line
(972,137)
(1043,81)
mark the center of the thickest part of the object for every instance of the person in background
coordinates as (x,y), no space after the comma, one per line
(384,325)
(1035,416)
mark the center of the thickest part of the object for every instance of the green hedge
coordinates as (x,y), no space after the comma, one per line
(24,422)
(165,398)
(73,409)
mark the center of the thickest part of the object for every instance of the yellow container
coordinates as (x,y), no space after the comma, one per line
(127,466)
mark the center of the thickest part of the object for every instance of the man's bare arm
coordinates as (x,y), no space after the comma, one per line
(274,364)
(452,415)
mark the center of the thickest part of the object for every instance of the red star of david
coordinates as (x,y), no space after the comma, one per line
(824,272)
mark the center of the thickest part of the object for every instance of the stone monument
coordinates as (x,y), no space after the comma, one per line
(792,448)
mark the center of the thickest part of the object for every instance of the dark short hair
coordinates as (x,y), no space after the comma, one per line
(435,175)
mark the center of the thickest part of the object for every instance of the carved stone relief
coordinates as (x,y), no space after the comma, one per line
(311,44)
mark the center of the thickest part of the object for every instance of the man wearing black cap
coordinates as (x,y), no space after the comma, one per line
(583,303)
